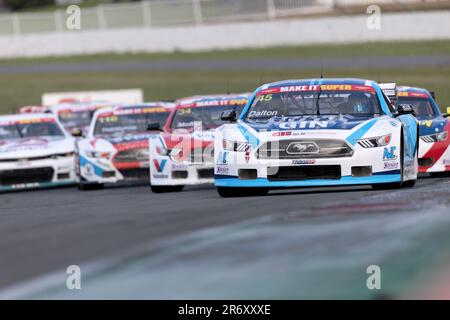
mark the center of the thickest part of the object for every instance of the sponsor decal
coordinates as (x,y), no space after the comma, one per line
(325,87)
(412,94)
(247,155)
(160,176)
(159,166)
(262,113)
(203,135)
(391,165)
(88,169)
(222,170)
(389,153)
(282,133)
(393,123)
(214,102)
(179,167)
(224,157)
(426,123)
(302,147)
(25,185)
(304,124)
(25,145)
(303,161)
(446,162)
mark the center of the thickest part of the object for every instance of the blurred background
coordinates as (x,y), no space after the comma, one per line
(175,48)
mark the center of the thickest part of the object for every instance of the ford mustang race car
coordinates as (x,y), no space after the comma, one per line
(434,128)
(116,146)
(183,153)
(319,132)
(76,117)
(35,152)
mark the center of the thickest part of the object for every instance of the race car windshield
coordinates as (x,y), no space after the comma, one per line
(210,117)
(288,104)
(75,118)
(423,106)
(128,123)
(30,130)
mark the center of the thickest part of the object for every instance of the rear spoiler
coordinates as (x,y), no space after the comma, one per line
(390,90)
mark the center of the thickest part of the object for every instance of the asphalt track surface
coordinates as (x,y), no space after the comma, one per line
(301,243)
(231,64)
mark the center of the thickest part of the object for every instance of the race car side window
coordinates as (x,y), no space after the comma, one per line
(388,102)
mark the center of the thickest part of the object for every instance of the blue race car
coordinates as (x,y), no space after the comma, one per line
(316,132)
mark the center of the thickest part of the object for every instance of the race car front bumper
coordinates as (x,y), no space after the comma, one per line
(363,168)
(31,174)
(167,172)
(103,171)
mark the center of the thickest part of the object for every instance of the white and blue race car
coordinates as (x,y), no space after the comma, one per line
(116,146)
(318,132)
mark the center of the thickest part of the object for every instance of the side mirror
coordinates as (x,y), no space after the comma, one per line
(448,112)
(76,132)
(154,126)
(229,115)
(403,109)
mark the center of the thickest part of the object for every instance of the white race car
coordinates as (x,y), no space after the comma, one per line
(35,152)
(116,146)
(316,132)
(183,153)
(76,117)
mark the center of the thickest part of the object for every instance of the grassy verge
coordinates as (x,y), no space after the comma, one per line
(18,90)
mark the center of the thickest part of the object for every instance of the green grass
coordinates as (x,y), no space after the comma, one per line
(22,89)
(18,90)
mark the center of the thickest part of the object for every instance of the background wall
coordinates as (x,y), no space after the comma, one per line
(343,29)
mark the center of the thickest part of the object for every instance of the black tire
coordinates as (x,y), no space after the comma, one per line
(83,186)
(386,186)
(440,174)
(412,183)
(409,184)
(165,189)
(227,192)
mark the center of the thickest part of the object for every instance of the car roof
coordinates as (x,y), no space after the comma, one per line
(79,106)
(316,81)
(192,100)
(412,89)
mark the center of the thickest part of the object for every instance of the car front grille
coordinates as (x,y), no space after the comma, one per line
(201,155)
(132,155)
(304,149)
(19,176)
(135,173)
(205,173)
(303,173)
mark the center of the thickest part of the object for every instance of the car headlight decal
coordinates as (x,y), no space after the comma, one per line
(375,142)
(229,145)
(441,136)
(98,155)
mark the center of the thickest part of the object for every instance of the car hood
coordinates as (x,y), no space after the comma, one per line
(122,142)
(197,138)
(35,147)
(427,127)
(346,122)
